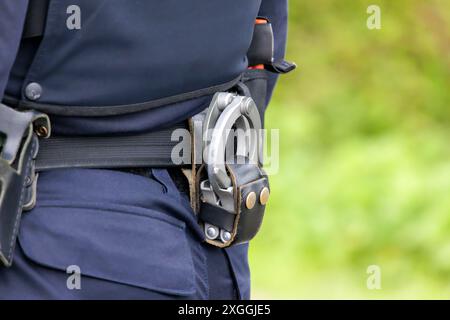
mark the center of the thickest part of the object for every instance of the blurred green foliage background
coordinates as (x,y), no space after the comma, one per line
(365,158)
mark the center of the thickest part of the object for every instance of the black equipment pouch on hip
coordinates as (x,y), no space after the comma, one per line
(19,132)
(233,189)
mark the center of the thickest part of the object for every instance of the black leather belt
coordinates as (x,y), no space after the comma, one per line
(228,197)
(153,149)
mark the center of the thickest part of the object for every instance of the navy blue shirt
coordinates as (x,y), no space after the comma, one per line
(12,16)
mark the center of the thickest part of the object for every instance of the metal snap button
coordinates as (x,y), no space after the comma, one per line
(33,91)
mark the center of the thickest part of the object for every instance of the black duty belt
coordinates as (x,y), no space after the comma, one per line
(153,149)
(228,190)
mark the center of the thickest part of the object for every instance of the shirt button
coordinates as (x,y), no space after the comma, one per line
(33,91)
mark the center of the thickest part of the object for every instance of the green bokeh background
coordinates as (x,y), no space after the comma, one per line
(364,173)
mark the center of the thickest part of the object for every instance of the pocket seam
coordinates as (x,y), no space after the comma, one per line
(105,208)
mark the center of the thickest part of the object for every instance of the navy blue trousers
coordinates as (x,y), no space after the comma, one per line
(128,236)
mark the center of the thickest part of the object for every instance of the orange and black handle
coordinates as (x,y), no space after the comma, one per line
(261,53)
(259,21)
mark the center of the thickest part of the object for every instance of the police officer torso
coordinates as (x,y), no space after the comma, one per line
(116,54)
(123,68)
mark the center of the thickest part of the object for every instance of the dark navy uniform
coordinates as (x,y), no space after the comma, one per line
(132,235)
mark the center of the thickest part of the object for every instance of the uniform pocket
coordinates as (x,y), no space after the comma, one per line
(139,247)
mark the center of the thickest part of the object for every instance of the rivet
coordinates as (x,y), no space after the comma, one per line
(211,232)
(225,236)
(27,180)
(250,201)
(41,131)
(264,196)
